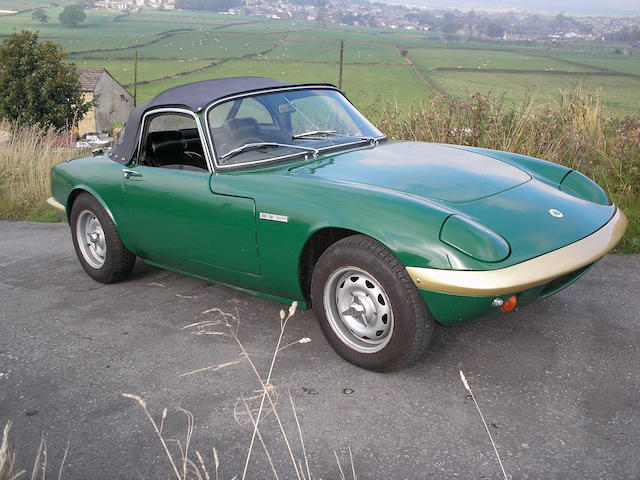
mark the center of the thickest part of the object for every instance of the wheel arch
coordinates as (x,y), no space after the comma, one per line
(78,190)
(313,248)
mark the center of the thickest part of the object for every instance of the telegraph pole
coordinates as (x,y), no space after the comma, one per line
(135,78)
(341,59)
(320,14)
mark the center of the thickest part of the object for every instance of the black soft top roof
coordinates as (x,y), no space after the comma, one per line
(196,96)
(192,96)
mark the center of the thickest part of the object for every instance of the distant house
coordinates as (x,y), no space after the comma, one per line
(114,102)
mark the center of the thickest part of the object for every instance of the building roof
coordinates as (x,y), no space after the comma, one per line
(89,78)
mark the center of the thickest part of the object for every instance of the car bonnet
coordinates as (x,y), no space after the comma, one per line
(434,171)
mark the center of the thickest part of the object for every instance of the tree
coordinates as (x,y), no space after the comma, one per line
(71,16)
(495,30)
(450,27)
(36,86)
(40,15)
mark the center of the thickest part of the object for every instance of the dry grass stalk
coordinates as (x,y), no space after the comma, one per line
(184,466)
(42,450)
(206,473)
(267,394)
(240,411)
(64,458)
(353,468)
(264,445)
(212,368)
(304,451)
(265,384)
(7,457)
(342,476)
(495,449)
(143,405)
(216,461)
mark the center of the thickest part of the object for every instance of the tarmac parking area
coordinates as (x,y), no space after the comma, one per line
(558,381)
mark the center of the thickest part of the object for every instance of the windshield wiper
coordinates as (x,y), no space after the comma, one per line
(372,140)
(315,133)
(257,145)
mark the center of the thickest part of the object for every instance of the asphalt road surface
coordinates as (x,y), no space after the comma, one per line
(558,381)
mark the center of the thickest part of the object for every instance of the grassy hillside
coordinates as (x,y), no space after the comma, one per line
(179,47)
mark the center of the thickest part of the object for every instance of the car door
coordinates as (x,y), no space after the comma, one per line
(173,218)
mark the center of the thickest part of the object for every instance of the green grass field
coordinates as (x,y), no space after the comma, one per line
(619,95)
(177,47)
(432,58)
(148,70)
(613,62)
(325,50)
(211,45)
(100,31)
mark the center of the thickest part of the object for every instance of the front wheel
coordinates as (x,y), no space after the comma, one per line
(95,238)
(367,305)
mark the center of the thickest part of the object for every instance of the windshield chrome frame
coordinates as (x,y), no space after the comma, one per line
(214,104)
(203,137)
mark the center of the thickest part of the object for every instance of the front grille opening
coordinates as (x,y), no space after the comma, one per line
(564,281)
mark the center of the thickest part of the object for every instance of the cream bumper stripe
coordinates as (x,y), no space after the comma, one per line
(56,205)
(528,274)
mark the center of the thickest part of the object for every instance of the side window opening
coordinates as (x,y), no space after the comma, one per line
(171,140)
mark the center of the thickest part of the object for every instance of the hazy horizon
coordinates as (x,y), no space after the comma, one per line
(570,7)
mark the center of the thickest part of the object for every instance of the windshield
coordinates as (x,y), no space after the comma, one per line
(286,124)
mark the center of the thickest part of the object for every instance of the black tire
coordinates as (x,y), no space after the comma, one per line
(101,253)
(361,273)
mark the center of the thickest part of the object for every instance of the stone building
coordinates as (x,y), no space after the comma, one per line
(114,102)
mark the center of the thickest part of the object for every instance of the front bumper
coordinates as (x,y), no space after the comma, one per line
(58,207)
(526,275)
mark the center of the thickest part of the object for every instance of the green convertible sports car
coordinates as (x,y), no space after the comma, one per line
(288,192)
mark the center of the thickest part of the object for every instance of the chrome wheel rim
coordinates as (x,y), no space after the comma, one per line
(358,310)
(91,239)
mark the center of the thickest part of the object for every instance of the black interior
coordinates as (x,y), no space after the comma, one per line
(177,149)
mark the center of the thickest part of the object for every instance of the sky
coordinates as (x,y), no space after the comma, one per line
(572,7)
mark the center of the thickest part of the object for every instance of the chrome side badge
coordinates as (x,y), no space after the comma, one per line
(555,213)
(274,217)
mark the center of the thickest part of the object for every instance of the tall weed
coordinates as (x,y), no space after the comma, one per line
(26,156)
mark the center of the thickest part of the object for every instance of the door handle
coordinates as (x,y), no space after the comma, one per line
(127,173)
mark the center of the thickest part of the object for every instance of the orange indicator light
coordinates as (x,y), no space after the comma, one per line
(509,304)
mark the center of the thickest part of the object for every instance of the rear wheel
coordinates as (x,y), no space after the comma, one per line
(97,243)
(367,305)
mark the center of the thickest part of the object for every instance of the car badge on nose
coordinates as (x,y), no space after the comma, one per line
(555,213)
